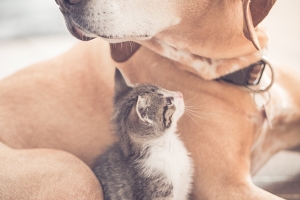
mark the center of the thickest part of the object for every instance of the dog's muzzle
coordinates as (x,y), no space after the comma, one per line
(66,7)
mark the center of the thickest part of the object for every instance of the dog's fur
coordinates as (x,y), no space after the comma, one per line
(65,103)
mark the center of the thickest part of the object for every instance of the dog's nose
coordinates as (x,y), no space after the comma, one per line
(74,2)
(66,4)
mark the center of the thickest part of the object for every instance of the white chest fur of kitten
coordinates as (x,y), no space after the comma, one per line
(169,156)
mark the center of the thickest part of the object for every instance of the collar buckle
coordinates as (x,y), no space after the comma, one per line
(248,76)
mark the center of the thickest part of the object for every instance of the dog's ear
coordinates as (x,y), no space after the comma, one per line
(254,12)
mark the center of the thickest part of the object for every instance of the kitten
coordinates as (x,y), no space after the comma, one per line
(149,161)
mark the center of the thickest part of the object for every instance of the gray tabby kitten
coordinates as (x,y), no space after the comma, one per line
(149,161)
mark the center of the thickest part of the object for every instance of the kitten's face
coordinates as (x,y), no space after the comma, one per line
(147,111)
(154,112)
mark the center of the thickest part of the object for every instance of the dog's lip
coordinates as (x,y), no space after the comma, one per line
(63,10)
(78,32)
(84,35)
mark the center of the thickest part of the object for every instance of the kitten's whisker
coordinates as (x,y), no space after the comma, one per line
(195,115)
(197,103)
(192,99)
(188,100)
(190,112)
(201,112)
(195,97)
(192,102)
(198,114)
(195,121)
(210,113)
(179,129)
(193,110)
(149,80)
(196,108)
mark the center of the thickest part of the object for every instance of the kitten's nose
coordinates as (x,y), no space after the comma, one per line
(180,95)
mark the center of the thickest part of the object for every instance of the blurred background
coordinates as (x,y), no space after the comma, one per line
(31,31)
(34,31)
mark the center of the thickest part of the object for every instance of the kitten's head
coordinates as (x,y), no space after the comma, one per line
(145,111)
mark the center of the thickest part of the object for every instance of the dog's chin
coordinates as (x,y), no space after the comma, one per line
(128,39)
(84,35)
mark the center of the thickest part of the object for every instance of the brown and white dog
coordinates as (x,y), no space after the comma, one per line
(54,116)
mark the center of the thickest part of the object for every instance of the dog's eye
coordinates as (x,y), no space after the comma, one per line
(169,101)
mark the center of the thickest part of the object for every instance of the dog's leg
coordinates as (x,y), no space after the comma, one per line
(64,103)
(45,174)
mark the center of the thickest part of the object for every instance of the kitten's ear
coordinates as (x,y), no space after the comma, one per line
(141,110)
(121,87)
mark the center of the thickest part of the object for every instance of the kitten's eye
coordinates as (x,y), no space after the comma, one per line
(169,101)
(160,95)
(152,90)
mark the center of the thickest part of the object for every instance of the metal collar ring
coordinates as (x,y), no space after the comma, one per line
(265,60)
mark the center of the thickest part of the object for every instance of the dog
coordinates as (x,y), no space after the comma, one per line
(54,116)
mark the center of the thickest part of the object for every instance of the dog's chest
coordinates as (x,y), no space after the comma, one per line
(168,156)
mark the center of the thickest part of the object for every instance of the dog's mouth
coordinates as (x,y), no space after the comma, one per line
(85,35)
(76,30)
(80,34)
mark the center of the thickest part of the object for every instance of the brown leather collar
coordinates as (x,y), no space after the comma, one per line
(251,75)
